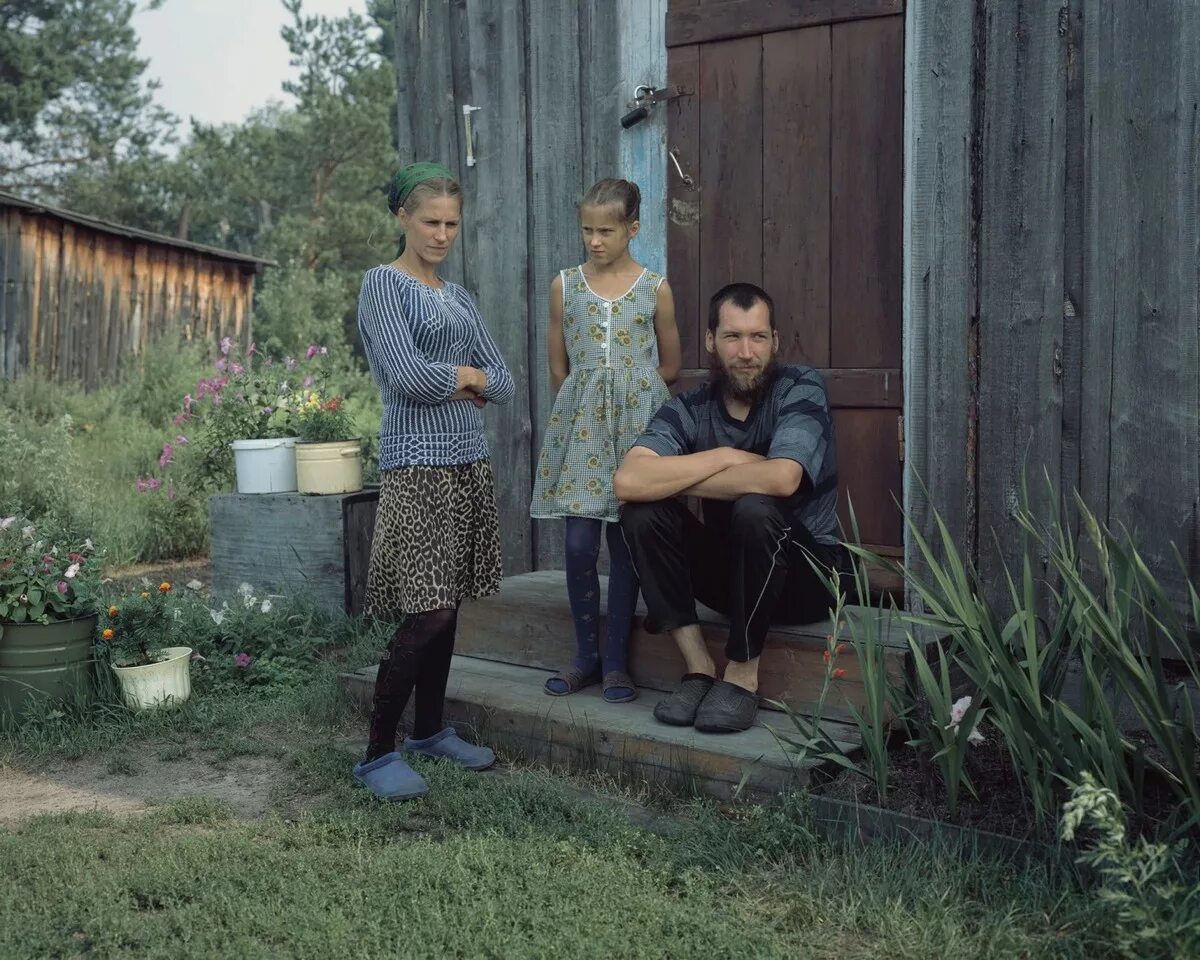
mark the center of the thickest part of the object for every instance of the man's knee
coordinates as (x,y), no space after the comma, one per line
(648,519)
(756,515)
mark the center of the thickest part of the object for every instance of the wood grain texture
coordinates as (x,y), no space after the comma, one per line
(797,77)
(684,207)
(529,623)
(939,270)
(1022,204)
(726,19)
(281,544)
(867,187)
(1140,440)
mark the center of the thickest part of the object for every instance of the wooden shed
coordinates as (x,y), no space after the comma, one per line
(980,220)
(79,295)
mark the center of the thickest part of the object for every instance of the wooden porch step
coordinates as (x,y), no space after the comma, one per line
(529,624)
(504,706)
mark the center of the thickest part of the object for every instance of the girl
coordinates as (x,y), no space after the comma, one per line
(436,538)
(609,321)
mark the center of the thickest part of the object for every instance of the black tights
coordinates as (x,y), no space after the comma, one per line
(418,657)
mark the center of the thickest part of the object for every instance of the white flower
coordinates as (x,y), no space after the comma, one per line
(194,584)
(178,614)
(27,532)
(266,606)
(71,571)
(959,710)
(8,522)
(217,616)
(88,545)
(54,550)
(245,589)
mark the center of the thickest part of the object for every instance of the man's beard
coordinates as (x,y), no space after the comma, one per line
(744,391)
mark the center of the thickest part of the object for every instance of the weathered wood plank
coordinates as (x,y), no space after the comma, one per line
(284,544)
(731,163)
(1141,350)
(728,19)
(556,183)
(683,217)
(1020,272)
(498,274)
(939,294)
(867,157)
(797,77)
(358,531)
(601,97)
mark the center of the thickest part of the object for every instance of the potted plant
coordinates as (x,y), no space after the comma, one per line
(138,641)
(48,582)
(244,418)
(328,455)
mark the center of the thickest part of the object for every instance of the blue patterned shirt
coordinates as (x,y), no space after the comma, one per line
(414,337)
(792,422)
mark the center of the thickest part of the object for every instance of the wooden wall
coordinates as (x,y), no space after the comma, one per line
(76,302)
(1052,295)
(552,80)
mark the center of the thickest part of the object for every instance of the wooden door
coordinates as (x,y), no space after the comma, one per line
(791,129)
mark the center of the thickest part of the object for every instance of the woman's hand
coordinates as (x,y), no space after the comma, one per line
(472,379)
(468,395)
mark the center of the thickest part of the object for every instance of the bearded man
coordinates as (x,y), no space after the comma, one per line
(756,445)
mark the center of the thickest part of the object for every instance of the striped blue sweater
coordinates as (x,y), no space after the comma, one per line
(414,337)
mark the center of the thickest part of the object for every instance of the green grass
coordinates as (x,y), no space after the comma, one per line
(522,865)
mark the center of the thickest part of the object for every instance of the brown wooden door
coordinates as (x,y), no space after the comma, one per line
(791,128)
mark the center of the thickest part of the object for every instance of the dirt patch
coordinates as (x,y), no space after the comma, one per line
(248,784)
(178,572)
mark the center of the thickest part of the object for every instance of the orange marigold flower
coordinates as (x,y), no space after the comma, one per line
(108,633)
(839,673)
(113,611)
(827,656)
(164,587)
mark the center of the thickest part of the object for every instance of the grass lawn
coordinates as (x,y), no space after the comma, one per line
(230,828)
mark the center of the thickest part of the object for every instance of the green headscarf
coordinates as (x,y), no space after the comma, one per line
(406,179)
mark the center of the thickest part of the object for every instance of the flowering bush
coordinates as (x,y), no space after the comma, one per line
(138,628)
(322,421)
(44,574)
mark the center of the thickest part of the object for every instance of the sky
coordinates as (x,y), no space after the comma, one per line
(218,60)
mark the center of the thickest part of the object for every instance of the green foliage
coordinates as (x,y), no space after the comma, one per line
(138,627)
(73,99)
(1152,899)
(46,574)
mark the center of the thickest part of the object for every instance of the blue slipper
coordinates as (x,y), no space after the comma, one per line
(390,778)
(448,745)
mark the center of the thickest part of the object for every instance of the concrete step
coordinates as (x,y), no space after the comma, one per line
(528,623)
(504,706)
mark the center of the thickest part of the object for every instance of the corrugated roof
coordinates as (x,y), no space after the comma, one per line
(9,200)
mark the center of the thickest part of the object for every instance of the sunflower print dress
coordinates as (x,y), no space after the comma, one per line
(606,401)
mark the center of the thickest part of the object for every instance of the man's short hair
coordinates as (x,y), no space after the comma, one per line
(741,295)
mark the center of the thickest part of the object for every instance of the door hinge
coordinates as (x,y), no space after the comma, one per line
(900,438)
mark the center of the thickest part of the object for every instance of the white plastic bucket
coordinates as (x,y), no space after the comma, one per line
(157,684)
(265,466)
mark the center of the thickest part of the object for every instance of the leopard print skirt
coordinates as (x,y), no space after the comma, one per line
(437,540)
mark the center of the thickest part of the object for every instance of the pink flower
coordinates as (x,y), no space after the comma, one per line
(253,349)
(142,485)
(63,586)
(290,364)
(163,460)
(312,351)
(153,483)
(71,571)
(226,344)
(221,364)
(182,440)
(180,419)
(242,660)
(187,402)
(309,380)
(236,369)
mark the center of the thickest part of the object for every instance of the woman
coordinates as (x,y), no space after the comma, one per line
(437,539)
